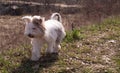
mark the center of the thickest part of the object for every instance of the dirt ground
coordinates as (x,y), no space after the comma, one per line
(11,31)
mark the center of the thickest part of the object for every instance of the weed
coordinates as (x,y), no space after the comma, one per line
(74,35)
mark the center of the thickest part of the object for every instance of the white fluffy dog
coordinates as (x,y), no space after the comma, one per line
(40,32)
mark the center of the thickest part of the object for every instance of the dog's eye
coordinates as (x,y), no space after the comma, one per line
(33,28)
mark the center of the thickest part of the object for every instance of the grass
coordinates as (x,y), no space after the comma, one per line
(90,49)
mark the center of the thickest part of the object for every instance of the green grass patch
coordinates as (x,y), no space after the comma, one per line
(74,35)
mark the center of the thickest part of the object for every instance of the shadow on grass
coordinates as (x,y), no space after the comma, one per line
(28,66)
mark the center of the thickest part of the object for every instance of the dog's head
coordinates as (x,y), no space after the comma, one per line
(34,26)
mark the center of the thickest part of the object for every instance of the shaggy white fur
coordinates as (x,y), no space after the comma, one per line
(40,32)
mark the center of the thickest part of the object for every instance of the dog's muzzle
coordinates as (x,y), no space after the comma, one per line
(30,35)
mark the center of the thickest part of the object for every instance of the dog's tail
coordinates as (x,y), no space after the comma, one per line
(56,16)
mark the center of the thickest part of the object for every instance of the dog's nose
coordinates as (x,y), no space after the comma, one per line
(30,35)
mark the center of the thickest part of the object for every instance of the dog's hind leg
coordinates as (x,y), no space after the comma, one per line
(60,37)
(56,47)
(50,48)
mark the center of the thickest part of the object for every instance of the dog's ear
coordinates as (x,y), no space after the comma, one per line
(27,19)
(37,21)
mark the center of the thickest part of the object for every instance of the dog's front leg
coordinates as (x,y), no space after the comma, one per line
(36,49)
